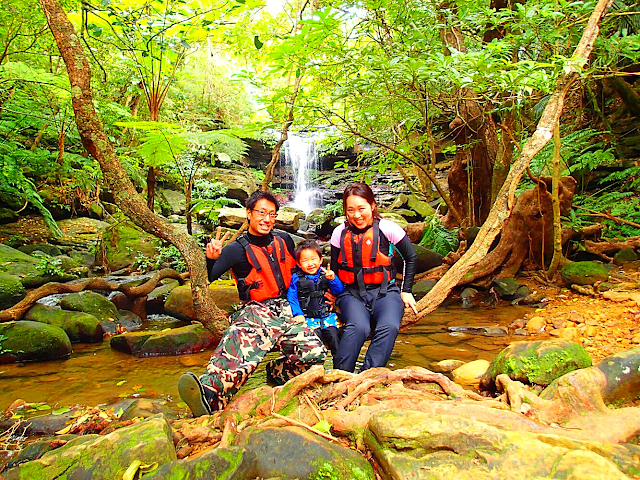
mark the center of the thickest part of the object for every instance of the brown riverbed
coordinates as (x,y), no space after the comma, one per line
(96,375)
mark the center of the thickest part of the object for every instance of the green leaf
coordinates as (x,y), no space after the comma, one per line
(121,382)
(323,426)
(61,410)
(257,42)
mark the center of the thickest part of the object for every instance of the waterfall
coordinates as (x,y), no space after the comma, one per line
(301,155)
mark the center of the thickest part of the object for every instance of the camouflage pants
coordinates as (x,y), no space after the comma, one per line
(255,330)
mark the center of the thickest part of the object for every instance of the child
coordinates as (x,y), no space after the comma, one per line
(306,293)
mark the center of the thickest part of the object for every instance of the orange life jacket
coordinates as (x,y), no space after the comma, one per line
(271,273)
(361,261)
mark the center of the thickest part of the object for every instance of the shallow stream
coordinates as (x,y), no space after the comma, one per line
(96,375)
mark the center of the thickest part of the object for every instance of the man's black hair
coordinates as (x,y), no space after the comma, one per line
(259,195)
(307,245)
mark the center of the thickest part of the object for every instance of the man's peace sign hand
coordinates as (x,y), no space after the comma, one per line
(214,247)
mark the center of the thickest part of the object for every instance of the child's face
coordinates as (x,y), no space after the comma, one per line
(309,261)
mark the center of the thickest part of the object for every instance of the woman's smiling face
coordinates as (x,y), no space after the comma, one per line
(359,211)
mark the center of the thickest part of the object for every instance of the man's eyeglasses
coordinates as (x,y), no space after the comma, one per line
(263,213)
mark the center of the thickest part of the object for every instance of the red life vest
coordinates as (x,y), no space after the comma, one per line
(271,273)
(361,261)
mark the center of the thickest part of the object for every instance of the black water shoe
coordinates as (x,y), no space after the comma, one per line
(193,394)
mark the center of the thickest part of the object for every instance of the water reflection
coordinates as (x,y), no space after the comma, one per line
(92,374)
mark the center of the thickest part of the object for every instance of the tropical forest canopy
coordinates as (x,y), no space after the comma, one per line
(178,84)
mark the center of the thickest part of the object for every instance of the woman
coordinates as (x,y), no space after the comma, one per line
(361,251)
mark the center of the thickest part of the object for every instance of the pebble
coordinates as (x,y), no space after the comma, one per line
(536,324)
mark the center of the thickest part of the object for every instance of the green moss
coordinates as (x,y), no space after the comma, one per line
(234,459)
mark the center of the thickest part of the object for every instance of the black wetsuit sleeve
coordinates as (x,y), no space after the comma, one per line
(335,252)
(409,255)
(288,241)
(230,256)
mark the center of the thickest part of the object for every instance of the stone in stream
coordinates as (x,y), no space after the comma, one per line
(410,444)
(422,287)
(26,341)
(232,463)
(584,273)
(539,362)
(103,456)
(11,290)
(470,373)
(427,259)
(176,341)
(79,327)
(179,302)
(103,309)
(35,450)
(294,452)
(235,217)
(489,330)
(625,255)
(509,289)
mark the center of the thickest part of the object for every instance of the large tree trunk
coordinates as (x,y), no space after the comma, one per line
(98,145)
(477,148)
(506,198)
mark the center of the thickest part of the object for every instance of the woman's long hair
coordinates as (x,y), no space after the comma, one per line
(361,190)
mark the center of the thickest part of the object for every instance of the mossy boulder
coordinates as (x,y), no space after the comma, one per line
(420,206)
(122,243)
(31,271)
(177,341)
(103,456)
(584,273)
(239,185)
(11,290)
(396,218)
(79,327)
(179,302)
(45,248)
(411,444)
(293,452)
(232,463)
(625,255)
(92,303)
(539,362)
(26,341)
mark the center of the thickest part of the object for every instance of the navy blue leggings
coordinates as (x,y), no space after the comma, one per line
(384,320)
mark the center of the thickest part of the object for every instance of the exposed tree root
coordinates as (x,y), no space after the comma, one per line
(607,248)
(96,283)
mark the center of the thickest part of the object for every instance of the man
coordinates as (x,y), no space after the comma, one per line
(261,263)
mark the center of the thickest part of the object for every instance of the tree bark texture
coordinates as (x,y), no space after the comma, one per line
(96,142)
(505,201)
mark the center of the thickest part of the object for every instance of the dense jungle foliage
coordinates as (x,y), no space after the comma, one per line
(178,84)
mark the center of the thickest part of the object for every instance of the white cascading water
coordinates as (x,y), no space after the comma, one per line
(300,154)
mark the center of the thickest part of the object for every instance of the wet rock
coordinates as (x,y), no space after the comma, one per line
(11,290)
(419,206)
(45,248)
(84,258)
(536,324)
(35,450)
(293,452)
(175,201)
(92,303)
(239,185)
(625,255)
(103,456)
(538,362)
(584,273)
(489,331)
(470,298)
(177,341)
(26,341)
(409,444)
(31,271)
(79,326)
(518,323)
(422,287)
(136,305)
(145,408)
(126,319)
(160,321)
(122,243)
(157,297)
(427,259)
(505,287)
(535,299)
(521,331)
(471,372)
(232,463)
(179,303)
(446,366)
(567,333)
